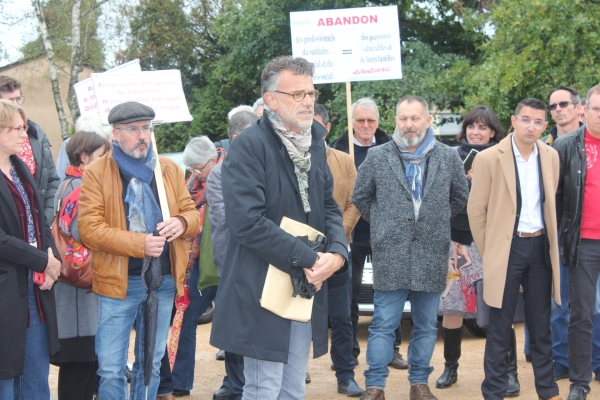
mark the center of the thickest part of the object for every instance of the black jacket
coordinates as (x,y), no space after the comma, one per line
(16,258)
(45,175)
(569,195)
(259,189)
(341,143)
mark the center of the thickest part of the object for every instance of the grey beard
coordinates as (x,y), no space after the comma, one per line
(413,142)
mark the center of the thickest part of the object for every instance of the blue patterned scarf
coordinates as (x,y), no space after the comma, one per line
(144,211)
(414,171)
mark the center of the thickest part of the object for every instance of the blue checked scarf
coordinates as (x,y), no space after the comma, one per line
(144,211)
(414,171)
(297,145)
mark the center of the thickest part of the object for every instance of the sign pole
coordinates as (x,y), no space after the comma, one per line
(349,113)
(160,184)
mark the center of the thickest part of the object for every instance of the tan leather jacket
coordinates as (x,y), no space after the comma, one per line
(103,226)
(344,175)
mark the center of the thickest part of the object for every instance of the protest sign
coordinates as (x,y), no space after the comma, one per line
(86,97)
(160,90)
(352,44)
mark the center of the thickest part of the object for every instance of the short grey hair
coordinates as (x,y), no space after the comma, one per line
(238,109)
(259,102)
(367,103)
(199,151)
(91,123)
(270,75)
(412,99)
(239,122)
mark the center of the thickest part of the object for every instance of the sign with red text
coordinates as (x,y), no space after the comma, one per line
(160,90)
(86,96)
(351,44)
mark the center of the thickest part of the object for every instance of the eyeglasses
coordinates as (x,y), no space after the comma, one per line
(19,129)
(198,171)
(526,122)
(561,104)
(135,130)
(369,121)
(19,100)
(299,95)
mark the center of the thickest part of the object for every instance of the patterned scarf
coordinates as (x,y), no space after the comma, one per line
(76,251)
(297,145)
(144,211)
(414,172)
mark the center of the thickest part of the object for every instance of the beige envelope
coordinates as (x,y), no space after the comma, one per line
(277,292)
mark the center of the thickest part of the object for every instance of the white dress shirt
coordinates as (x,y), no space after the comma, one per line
(356,142)
(531,219)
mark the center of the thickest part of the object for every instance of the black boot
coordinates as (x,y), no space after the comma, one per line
(452,341)
(514,388)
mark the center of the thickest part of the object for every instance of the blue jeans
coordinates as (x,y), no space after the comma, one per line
(182,376)
(33,384)
(116,318)
(268,380)
(339,295)
(380,346)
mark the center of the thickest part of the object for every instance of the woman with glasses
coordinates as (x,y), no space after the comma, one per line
(77,309)
(28,270)
(481,130)
(199,156)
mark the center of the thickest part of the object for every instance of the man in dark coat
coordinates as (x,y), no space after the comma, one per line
(277,168)
(36,152)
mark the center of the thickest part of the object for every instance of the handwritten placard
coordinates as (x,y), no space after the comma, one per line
(351,44)
(160,90)
(84,90)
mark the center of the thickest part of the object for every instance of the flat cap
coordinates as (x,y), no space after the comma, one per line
(130,111)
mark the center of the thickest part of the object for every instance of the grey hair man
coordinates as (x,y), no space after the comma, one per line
(258,107)
(408,189)
(367,135)
(565,106)
(36,152)
(266,176)
(234,363)
(238,109)
(85,123)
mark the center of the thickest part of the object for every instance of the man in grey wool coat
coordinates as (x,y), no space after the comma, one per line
(408,189)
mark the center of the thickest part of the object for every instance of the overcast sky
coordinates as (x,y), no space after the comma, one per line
(13,37)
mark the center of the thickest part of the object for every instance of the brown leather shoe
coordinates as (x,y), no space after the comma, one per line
(421,392)
(373,394)
(397,361)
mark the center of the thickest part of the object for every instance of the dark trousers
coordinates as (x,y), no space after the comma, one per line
(582,293)
(76,380)
(359,252)
(339,294)
(234,368)
(527,266)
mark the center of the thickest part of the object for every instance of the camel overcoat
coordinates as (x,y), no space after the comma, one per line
(492,210)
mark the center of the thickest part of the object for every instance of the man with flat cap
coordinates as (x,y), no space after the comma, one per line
(118,212)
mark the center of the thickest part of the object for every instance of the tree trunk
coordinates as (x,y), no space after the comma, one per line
(64,126)
(75,58)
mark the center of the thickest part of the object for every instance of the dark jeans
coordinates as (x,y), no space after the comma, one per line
(359,253)
(182,376)
(234,368)
(76,380)
(582,289)
(339,294)
(527,267)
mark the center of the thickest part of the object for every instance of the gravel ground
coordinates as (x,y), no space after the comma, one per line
(209,372)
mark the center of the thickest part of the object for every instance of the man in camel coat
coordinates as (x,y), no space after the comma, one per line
(512,215)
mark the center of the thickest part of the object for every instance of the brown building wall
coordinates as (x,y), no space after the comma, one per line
(34,76)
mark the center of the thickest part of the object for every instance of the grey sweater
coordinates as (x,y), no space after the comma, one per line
(407,254)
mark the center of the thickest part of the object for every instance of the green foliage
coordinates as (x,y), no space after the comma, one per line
(57,14)
(538,45)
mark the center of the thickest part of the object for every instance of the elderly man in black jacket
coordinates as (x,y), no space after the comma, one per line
(277,168)
(578,214)
(36,152)
(408,190)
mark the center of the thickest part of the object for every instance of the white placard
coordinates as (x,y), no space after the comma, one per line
(351,44)
(160,90)
(86,97)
